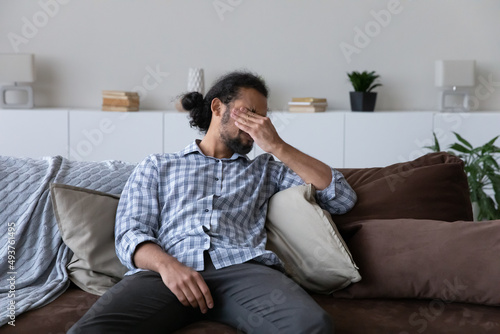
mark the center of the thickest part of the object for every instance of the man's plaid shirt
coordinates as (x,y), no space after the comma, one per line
(188,203)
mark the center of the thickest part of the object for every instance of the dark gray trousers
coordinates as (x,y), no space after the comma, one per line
(251,297)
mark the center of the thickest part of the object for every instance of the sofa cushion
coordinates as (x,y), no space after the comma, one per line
(409,316)
(412,258)
(304,236)
(433,186)
(86,220)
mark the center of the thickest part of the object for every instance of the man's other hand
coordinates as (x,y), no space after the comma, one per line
(187,285)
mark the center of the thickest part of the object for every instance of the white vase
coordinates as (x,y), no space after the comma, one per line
(196,80)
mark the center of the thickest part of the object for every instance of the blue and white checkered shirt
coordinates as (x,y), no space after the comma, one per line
(188,203)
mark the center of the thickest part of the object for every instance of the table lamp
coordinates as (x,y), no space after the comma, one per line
(456,77)
(15,68)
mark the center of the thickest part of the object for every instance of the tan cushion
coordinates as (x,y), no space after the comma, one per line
(412,258)
(86,220)
(431,187)
(304,236)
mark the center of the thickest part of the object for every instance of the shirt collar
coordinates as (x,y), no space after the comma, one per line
(194,148)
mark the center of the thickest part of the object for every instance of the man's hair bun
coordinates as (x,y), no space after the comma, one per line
(192,100)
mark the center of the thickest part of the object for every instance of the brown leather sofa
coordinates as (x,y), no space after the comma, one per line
(426,267)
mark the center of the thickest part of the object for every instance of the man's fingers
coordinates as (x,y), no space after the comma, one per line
(202,297)
(205,293)
(194,292)
(187,285)
(245,120)
(244,116)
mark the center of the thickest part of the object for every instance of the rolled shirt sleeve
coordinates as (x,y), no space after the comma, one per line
(137,216)
(338,198)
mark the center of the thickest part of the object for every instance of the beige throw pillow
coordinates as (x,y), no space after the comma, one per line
(304,236)
(86,220)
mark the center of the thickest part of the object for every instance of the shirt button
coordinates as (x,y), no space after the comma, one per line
(216,179)
(206,210)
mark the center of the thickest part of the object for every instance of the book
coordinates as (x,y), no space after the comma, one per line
(318,104)
(121,97)
(309,99)
(120,102)
(119,108)
(307,104)
(306,108)
(119,93)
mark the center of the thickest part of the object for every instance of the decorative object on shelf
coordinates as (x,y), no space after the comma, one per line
(17,68)
(483,174)
(307,104)
(115,100)
(363,99)
(196,80)
(456,77)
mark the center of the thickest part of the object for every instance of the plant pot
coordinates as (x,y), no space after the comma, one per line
(363,101)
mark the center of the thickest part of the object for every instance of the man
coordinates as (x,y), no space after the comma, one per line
(190,226)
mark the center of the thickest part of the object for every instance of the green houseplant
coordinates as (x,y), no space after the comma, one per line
(483,174)
(362,98)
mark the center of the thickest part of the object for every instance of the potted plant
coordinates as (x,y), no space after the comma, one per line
(483,174)
(363,99)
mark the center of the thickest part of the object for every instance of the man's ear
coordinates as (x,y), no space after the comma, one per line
(217,107)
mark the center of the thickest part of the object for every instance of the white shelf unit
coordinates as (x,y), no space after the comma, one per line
(34,133)
(339,138)
(383,138)
(104,135)
(321,135)
(177,132)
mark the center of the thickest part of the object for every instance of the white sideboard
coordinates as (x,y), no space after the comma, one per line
(320,135)
(127,136)
(341,139)
(34,133)
(380,139)
(177,131)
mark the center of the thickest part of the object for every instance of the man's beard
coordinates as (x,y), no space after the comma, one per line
(235,144)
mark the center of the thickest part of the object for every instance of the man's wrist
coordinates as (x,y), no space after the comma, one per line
(151,256)
(279,149)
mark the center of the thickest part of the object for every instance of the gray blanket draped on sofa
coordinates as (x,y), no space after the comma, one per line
(35,274)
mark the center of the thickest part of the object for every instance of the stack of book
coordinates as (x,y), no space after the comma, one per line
(307,104)
(115,100)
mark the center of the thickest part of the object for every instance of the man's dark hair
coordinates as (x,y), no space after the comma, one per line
(226,89)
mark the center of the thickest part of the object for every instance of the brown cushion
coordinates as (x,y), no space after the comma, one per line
(431,187)
(411,258)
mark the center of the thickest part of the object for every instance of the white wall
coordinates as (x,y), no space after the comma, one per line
(85,46)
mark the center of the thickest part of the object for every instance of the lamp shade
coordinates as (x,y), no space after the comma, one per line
(455,73)
(17,67)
